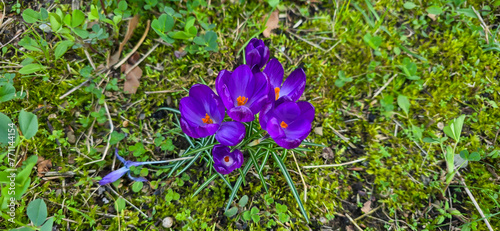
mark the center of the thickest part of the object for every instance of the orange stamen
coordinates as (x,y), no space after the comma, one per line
(283,124)
(207,119)
(242,100)
(277,92)
(226,158)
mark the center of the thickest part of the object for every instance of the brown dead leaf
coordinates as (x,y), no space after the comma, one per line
(271,24)
(132,24)
(43,166)
(432,16)
(327,153)
(367,207)
(132,78)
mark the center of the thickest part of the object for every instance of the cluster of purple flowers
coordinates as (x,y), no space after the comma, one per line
(243,93)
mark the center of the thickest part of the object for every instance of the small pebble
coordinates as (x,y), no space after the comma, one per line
(167,222)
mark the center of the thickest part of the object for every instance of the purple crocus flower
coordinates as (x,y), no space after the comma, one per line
(290,123)
(256,54)
(230,133)
(117,174)
(242,92)
(293,86)
(201,112)
(226,161)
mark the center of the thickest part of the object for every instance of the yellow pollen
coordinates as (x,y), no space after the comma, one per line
(277,92)
(283,124)
(242,100)
(207,119)
(226,158)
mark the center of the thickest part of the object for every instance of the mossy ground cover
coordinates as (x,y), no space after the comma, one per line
(362,60)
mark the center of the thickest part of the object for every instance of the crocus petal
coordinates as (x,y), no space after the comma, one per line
(113,176)
(306,110)
(230,133)
(274,71)
(221,79)
(274,128)
(192,110)
(196,131)
(141,179)
(241,114)
(295,84)
(226,161)
(119,157)
(264,56)
(287,112)
(259,93)
(211,103)
(253,58)
(288,143)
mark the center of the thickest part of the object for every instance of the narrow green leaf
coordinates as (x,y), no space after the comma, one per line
(202,186)
(289,180)
(404,103)
(62,47)
(31,68)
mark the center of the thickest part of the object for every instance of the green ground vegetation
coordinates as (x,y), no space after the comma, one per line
(386,78)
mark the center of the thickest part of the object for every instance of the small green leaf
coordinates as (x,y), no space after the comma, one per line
(55,22)
(243,201)
(116,137)
(7,92)
(30,16)
(434,10)
(79,17)
(137,186)
(62,47)
(231,212)
(31,68)
(37,212)
(273,3)
(409,5)
(475,156)
(67,20)
(28,123)
(255,218)
(404,103)
(47,226)
(120,204)
(247,216)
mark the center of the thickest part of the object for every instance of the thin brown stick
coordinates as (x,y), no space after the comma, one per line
(124,59)
(383,87)
(353,222)
(334,165)
(142,59)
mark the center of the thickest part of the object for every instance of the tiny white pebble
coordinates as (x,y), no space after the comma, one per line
(167,222)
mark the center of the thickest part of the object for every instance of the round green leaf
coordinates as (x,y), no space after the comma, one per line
(30,16)
(434,10)
(28,123)
(231,212)
(137,186)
